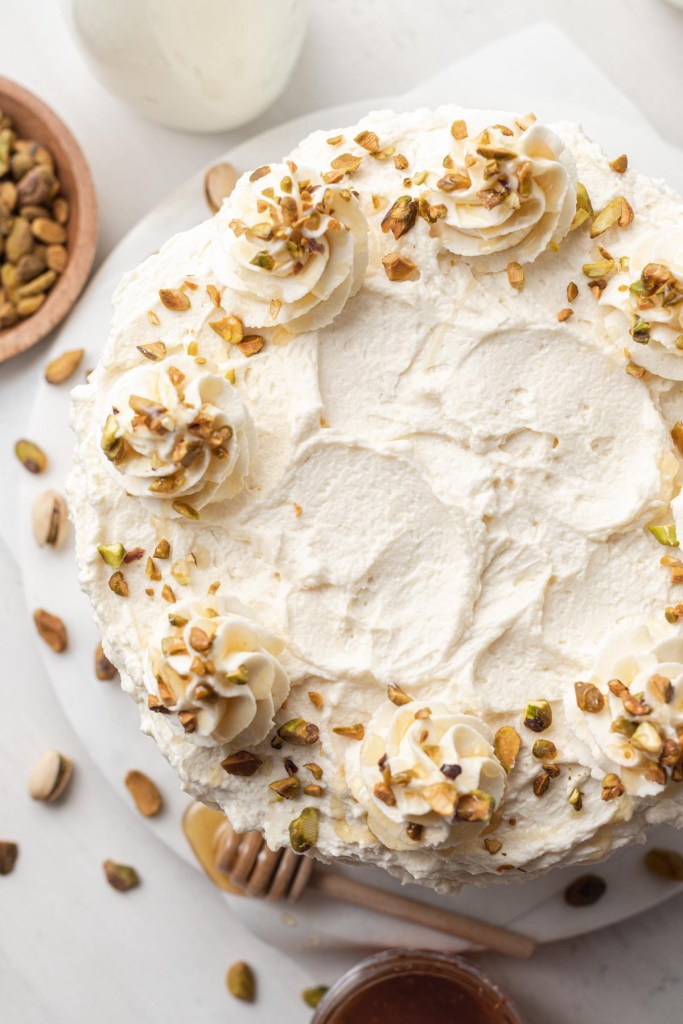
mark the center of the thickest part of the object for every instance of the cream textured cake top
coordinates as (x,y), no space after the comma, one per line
(375,497)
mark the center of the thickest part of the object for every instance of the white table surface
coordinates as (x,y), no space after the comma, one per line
(71,949)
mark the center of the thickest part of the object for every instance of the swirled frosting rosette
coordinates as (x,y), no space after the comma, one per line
(506,194)
(176,430)
(643,303)
(214,670)
(425,776)
(291,251)
(629,712)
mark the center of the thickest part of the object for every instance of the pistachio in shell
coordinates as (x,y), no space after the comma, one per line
(145,793)
(50,776)
(30,456)
(51,629)
(50,519)
(303,831)
(64,366)
(506,746)
(121,877)
(219,181)
(240,982)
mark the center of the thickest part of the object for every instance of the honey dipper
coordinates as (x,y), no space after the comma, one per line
(261,872)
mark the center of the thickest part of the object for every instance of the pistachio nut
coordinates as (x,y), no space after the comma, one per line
(112,554)
(65,365)
(398,267)
(314,996)
(57,258)
(538,715)
(315,770)
(589,698)
(475,806)
(350,732)
(51,629)
(303,831)
(50,776)
(50,519)
(31,456)
(230,328)
(665,864)
(397,696)
(121,877)
(299,732)
(48,231)
(155,350)
(544,750)
(506,746)
(287,788)
(104,669)
(219,181)
(118,584)
(145,793)
(240,982)
(242,763)
(174,299)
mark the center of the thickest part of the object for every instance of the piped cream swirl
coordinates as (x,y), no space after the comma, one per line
(176,429)
(214,669)
(507,195)
(642,749)
(643,304)
(290,250)
(415,766)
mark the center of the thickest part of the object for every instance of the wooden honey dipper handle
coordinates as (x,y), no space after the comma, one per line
(261,872)
(479,933)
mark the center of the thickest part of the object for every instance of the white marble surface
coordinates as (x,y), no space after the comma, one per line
(70,948)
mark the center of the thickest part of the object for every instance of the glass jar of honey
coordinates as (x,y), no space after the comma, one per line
(415,987)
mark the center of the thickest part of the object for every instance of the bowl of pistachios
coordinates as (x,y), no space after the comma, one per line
(48,219)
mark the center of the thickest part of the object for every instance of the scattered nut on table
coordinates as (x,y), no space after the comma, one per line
(50,776)
(50,519)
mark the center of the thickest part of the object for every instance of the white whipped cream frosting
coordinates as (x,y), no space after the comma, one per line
(213,660)
(633,658)
(450,492)
(412,744)
(290,256)
(632,298)
(512,211)
(191,436)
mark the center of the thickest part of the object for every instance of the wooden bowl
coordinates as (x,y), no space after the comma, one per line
(34,120)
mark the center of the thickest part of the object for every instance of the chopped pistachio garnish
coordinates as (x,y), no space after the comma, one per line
(589,698)
(619,164)
(230,328)
(493,845)
(303,831)
(401,216)
(541,784)
(350,732)
(576,798)
(612,787)
(515,276)
(572,291)
(506,744)
(155,350)
(662,687)
(599,269)
(397,696)
(313,996)
(666,535)
(315,770)
(163,549)
(476,806)
(118,584)
(565,314)
(112,554)
(544,750)
(538,715)
(184,509)
(241,763)
(398,267)
(288,788)
(368,140)
(647,738)
(299,732)
(174,299)
(316,699)
(459,130)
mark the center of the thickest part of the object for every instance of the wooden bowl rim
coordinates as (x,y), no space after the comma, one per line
(66,290)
